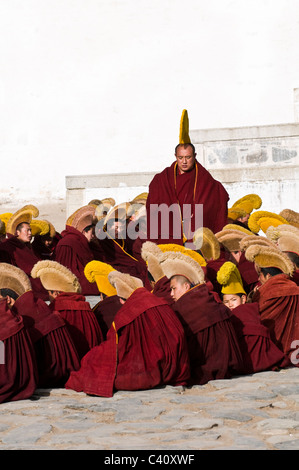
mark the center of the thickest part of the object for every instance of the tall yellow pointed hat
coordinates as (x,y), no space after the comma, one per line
(184,128)
(262,220)
(230,279)
(248,203)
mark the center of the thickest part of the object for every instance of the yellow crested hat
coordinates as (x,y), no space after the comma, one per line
(97,271)
(184,128)
(261,220)
(266,257)
(230,238)
(14,278)
(205,241)
(25,214)
(237,227)
(42,227)
(55,276)
(182,249)
(255,240)
(82,217)
(4,218)
(230,279)
(150,253)
(175,263)
(235,213)
(248,203)
(124,283)
(291,216)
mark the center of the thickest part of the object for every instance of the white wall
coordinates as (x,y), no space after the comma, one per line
(98,86)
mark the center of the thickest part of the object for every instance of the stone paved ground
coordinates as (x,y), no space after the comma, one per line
(257,412)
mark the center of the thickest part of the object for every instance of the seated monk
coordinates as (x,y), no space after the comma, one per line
(17,248)
(74,250)
(145,346)
(258,350)
(109,304)
(213,346)
(277,297)
(54,350)
(65,295)
(45,238)
(18,368)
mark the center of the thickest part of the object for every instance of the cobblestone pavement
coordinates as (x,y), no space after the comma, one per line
(256,412)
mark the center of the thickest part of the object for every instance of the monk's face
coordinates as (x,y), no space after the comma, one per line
(24,234)
(232,300)
(178,288)
(185,158)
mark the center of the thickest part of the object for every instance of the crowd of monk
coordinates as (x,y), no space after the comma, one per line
(163,313)
(206,301)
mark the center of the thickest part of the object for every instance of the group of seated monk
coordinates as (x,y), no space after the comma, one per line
(162,314)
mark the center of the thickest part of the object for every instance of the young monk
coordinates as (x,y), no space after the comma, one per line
(258,350)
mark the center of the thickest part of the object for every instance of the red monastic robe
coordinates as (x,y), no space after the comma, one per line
(248,273)
(18,373)
(14,251)
(145,348)
(105,311)
(212,342)
(80,320)
(41,250)
(278,301)
(74,252)
(258,350)
(56,354)
(194,187)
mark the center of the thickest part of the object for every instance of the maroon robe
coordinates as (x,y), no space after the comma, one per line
(105,311)
(213,345)
(80,320)
(14,251)
(145,348)
(278,301)
(295,277)
(56,354)
(41,250)
(248,273)
(112,252)
(18,374)
(258,350)
(194,187)
(74,252)
(162,289)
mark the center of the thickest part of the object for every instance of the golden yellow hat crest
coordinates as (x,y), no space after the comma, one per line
(262,220)
(266,257)
(39,227)
(230,279)
(25,214)
(237,227)
(55,276)
(175,263)
(248,203)
(235,213)
(186,251)
(97,271)
(184,129)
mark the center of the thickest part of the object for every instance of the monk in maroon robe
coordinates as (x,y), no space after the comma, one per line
(80,320)
(105,312)
(213,346)
(259,352)
(18,253)
(145,348)
(18,369)
(278,300)
(185,184)
(55,351)
(73,251)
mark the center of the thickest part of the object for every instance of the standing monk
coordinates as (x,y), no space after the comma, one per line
(183,186)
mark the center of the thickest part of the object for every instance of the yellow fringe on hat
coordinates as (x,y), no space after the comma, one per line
(186,251)
(124,284)
(291,216)
(248,203)
(230,279)
(14,278)
(205,241)
(55,276)
(235,213)
(263,219)
(39,227)
(266,257)
(175,263)
(184,128)
(255,240)
(237,227)
(25,214)
(97,271)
